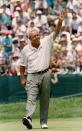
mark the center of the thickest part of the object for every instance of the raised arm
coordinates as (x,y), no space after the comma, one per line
(59,25)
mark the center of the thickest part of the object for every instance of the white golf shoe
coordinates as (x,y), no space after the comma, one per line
(44,126)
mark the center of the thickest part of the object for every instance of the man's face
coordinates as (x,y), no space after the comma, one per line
(63,39)
(74,15)
(74,44)
(35,38)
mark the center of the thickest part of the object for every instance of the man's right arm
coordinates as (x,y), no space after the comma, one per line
(23,66)
(22,75)
(59,25)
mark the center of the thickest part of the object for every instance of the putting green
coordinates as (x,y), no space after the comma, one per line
(72,124)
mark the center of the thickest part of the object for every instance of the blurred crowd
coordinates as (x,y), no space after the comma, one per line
(19,17)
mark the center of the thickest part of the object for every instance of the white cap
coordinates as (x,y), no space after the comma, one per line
(39,12)
(64,33)
(15,55)
(15,38)
(18,8)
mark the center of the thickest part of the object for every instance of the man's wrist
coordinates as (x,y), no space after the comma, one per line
(61,19)
(22,76)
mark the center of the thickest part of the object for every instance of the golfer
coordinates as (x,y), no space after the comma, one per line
(35,58)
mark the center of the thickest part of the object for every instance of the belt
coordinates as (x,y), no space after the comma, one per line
(41,72)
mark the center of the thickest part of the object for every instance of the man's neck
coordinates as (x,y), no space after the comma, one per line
(35,45)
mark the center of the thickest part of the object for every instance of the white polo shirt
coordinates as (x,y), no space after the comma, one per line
(37,59)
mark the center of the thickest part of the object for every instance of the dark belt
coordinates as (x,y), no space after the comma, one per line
(41,72)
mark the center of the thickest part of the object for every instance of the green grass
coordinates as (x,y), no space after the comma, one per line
(65,113)
(54,125)
(59,108)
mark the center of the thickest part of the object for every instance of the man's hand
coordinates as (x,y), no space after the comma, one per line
(23,81)
(62,15)
(59,25)
(22,76)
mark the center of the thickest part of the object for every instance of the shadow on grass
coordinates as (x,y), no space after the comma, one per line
(38,128)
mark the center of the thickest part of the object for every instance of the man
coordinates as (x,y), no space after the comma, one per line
(36,58)
(7,44)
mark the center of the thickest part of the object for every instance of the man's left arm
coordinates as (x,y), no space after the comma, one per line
(59,25)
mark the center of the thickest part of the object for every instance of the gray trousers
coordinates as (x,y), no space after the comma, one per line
(38,84)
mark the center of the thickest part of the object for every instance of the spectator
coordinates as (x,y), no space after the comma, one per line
(21,17)
(15,64)
(7,44)
(74,23)
(57,7)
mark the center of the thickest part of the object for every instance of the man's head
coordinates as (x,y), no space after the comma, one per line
(63,39)
(39,13)
(34,37)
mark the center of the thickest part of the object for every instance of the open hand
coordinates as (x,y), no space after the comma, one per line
(62,14)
